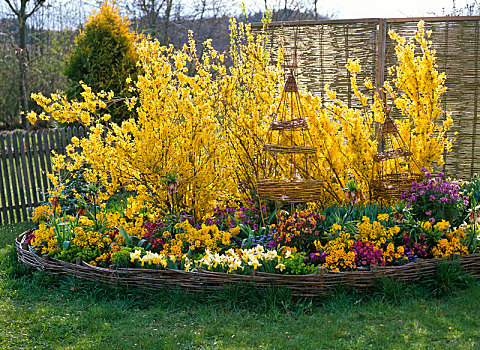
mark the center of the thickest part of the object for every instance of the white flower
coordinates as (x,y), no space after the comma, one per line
(287,254)
(135,255)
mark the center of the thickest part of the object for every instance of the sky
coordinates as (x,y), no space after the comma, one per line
(338,9)
(343,9)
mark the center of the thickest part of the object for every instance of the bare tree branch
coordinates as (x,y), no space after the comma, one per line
(22,15)
(38,4)
(14,10)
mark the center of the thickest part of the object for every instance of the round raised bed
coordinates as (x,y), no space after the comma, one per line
(202,280)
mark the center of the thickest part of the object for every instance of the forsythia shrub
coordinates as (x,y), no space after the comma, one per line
(206,123)
(182,125)
(343,135)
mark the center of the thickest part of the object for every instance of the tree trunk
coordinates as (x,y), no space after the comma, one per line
(168,11)
(22,65)
(22,15)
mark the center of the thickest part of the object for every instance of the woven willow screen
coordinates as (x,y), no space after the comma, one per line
(325,46)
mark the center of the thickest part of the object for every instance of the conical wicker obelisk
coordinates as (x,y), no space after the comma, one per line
(393,165)
(289,153)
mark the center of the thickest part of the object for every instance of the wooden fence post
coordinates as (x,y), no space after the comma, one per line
(25,159)
(4,189)
(380,62)
(475,107)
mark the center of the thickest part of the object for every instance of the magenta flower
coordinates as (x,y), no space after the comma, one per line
(367,254)
(435,197)
(272,244)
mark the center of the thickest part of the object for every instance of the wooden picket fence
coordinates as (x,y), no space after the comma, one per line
(25,162)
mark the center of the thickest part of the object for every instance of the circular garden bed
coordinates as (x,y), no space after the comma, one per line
(201,280)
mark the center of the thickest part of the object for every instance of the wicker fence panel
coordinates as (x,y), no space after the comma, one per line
(456,43)
(323,51)
(325,46)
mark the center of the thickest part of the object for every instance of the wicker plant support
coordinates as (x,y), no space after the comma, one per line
(391,185)
(288,122)
(299,123)
(292,192)
(392,154)
(200,280)
(289,149)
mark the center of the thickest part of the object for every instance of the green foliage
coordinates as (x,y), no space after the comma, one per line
(64,231)
(78,314)
(297,266)
(74,185)
(9,264)
(436,199)
(472,212)
(8,233)
(121,258)
(47,51)
(77,193)
(64,312)
(416,231)
(103,58)
(85,253)
(132,241)
(472,190)
(391,290)
(248,236)
(117,203)
(471,237)
(450,277)
(342,214)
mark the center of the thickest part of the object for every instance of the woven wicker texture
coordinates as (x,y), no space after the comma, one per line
(289,149)
(324,48)
(393,185)
(201,280)
(457,45)
(290,84)
(289,124)
(394,169)
(293,192)
(392,154)
(289,153)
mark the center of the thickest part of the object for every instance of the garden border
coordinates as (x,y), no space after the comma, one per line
(200,280)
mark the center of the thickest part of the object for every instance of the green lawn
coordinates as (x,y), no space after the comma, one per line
(9,232)
(45,312)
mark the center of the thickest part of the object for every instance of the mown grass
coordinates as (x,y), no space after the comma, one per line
(46,312)
(9,232)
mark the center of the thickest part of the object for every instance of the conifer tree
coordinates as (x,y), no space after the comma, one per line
(103,58)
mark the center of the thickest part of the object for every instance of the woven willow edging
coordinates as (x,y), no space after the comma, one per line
(201,280)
